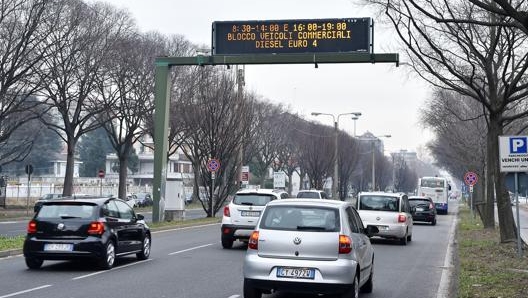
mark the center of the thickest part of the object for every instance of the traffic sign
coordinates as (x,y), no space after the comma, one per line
(470,178)
(513,153)
(101,174)
(213,165)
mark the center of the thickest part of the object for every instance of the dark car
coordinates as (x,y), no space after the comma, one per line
(86,228)
(423,209)
(144,199)
(45,198)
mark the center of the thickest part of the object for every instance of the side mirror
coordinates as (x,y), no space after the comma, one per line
(140,216)
(371,230)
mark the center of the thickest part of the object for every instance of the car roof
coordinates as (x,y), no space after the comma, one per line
(419,197)
(82,199)
(311,190)
(381,193)
(309,202)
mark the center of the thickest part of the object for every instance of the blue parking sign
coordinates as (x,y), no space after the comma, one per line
(518,145)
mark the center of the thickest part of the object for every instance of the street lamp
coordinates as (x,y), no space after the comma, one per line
(335,178)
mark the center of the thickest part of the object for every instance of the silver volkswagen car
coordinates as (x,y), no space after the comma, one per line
(309,246)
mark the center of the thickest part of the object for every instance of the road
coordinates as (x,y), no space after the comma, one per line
(190,262)
(18,227)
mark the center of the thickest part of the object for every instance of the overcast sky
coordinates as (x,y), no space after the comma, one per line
(388,97)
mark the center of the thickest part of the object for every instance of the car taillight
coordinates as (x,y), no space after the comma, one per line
(32,227)
(253,240)
(431,206)
(345,244)
(402,218)
(226,211)
(96,228)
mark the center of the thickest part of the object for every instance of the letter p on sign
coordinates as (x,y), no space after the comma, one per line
(518,145)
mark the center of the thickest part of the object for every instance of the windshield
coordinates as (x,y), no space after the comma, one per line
(84,211)
(253,199)
(308,194)
(380,203)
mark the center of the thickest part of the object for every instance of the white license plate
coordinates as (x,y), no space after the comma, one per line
(383,228)
(58,247)
(420,209)
(250,213)
(293,272)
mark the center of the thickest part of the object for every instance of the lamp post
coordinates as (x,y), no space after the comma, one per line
(335,177)
(374,160)
(355,117)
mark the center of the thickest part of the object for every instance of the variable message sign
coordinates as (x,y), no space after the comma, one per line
(292,36)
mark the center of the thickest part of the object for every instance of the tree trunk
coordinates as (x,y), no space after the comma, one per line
(505,214)
(488,214)
(70,165)
(123,167)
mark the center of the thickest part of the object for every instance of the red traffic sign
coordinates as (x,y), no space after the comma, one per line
(101,174)
(213,165)
(470,178)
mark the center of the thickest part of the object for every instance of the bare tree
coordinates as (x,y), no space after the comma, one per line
(21,33)
(316,153)
(348,148)
(81,43)
(487,64)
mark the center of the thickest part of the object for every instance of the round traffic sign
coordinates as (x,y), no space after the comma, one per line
(101,174)
(213,165)
(470,178)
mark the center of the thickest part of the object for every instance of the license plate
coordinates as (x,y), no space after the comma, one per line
(383,228)
(293,272)
(58,247)
(420,209)
(250,213)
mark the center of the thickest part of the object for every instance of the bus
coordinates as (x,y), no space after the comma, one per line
(437,188)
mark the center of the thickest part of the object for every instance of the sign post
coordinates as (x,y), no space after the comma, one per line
(213,165)
(245,175)
(29,171)
(513,157)
(470,178)
(101,175)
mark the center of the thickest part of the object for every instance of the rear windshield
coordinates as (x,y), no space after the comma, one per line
(416,202)
(308,195)
(380,203)
(64,211)
(299,218)
(252,199)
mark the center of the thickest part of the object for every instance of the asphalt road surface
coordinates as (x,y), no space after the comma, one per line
(190,262)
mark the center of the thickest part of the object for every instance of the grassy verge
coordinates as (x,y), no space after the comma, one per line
(488,268)
(8,243)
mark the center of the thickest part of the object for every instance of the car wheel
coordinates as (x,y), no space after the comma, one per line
(433,223)
(33,263)
(403,240)
(409,238)
(108,258)
(227,242)
(145,251)
(250,291)
(353,290)
(369,285)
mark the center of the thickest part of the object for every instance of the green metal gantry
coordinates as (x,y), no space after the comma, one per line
(162,94)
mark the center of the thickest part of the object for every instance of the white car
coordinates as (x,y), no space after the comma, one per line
(390,212)
(312,194)
(242,213)
(309,246)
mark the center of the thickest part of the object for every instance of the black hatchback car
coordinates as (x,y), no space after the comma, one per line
(86,228)
(423,209)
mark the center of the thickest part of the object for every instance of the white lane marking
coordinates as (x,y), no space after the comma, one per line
(184,228)
(189,249)
(25,291)
(113,269)
(234,296)
(9,222)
